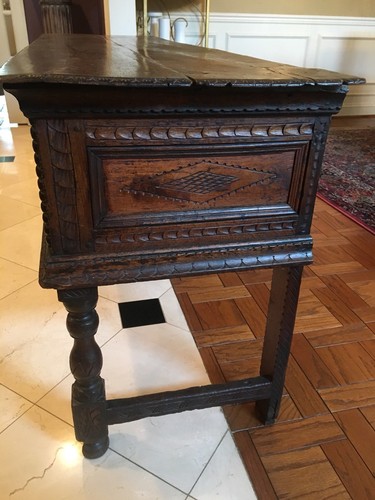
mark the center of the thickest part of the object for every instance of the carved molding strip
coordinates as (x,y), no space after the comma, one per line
(41,182)
(198,133)
(195,233)
(104,271)
(150,111)
(318,143)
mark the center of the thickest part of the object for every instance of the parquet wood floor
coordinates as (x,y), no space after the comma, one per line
(323,444)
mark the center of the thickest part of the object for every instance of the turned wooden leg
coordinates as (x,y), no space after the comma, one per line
(88,394)
(278,338)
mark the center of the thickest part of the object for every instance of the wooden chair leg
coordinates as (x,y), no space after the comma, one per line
(278,337)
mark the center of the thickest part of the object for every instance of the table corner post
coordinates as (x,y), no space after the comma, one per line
(282,311)
(88,391)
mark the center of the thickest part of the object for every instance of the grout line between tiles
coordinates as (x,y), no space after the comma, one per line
(21,287)
(180,311)
(18,264)
(111,338)
(148,471)
(34,405)
(22,221)
(166,291)
(22,414)
(21,201)
(209,460)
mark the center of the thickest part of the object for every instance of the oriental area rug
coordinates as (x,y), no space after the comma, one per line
(348,174)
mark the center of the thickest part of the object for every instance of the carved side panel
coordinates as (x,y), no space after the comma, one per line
(64,184)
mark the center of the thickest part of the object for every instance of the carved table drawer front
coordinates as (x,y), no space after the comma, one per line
(182,182)
(137,186)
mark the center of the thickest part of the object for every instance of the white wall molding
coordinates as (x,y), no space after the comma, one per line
(287,19)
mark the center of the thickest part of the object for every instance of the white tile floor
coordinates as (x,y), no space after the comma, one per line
(188,455)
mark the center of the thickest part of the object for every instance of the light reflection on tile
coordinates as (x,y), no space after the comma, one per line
(43,462)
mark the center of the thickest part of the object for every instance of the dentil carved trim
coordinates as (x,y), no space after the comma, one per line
(189,133)
(150,111)
(204,232)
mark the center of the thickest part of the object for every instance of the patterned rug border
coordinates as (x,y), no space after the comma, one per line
(347,214)
(347,178)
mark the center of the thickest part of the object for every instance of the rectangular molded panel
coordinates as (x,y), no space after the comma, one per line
(133,188)
(169,198)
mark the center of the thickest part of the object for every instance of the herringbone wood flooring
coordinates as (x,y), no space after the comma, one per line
(323,444)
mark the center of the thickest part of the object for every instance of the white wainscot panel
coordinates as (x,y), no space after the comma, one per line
(360,100)
(288,49)
(347,54)
(353,55)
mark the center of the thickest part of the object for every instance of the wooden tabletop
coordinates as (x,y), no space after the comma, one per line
(153,62)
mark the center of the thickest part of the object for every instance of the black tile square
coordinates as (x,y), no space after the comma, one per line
(141,313)
(6,159)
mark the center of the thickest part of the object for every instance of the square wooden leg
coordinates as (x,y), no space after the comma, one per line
(278,337)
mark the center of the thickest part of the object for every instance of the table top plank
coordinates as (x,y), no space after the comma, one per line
(153,62)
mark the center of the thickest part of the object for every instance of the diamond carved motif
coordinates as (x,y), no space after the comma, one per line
(201,181)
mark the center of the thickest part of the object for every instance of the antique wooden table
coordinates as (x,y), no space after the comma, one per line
(158,160)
